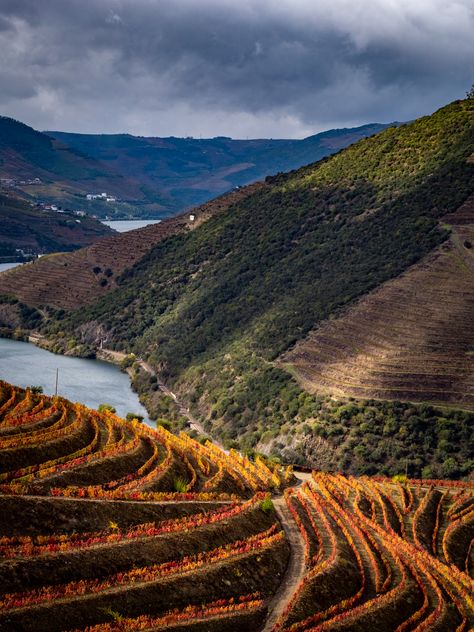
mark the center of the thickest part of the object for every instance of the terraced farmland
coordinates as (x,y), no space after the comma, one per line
(108,525)
(102,518)
(412,339)
(72,280)
(383,556)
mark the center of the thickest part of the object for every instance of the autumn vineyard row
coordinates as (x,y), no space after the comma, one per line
(112,526)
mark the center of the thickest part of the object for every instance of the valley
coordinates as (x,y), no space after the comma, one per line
(216,305)
(190,171)
(236,316)
(126,177)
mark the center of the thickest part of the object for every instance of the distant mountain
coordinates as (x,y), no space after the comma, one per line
(147,177)
(188,171)
(39,167)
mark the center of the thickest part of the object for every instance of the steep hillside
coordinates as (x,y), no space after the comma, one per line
(212,309)
(411,339)
(189,171)
(73,280)
(108,518)
(41,231)
(111,526)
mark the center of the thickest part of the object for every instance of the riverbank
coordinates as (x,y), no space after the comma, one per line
(89,381)
(132,368)
(118,357)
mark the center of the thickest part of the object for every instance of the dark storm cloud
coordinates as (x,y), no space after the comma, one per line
(252,67)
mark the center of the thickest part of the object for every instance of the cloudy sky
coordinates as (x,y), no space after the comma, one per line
(240,68)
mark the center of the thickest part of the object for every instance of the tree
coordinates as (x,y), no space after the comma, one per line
(470,93)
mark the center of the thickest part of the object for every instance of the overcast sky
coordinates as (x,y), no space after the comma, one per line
(240,68)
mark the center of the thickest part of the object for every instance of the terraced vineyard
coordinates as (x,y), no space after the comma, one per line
(384,556)
(109,525)
(102,518)
(412,339)
(72,280)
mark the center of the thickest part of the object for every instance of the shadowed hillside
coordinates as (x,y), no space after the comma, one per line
(72,280)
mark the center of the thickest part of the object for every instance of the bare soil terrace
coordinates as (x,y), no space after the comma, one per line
(411,339)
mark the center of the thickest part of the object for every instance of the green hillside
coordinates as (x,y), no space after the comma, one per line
(149,177)
(214,308)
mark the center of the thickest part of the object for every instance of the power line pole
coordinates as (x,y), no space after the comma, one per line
(56,388)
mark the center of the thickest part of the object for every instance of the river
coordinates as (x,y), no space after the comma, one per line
(8,266)
(91,382)
(123,226)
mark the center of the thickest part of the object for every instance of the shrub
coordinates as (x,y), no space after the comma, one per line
(102,408)
(267,505)
(132,416)
(180,485)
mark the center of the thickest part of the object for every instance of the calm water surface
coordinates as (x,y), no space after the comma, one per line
(122,226)
(7,266)
(90,382)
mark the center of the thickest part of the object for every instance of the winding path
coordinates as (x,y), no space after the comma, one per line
(295,570)
(183,410)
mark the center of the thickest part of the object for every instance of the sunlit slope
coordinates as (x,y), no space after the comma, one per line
(49,445)
(108,525)
(382,556)
(102,519)
(412,339)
